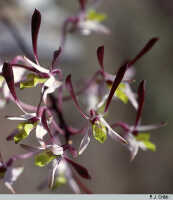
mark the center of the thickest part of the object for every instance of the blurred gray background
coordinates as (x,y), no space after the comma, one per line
(132,24)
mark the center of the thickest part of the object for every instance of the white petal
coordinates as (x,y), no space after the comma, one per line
(2,103)
(131,96)
(130,73)
(114,135)
(51,85)
(24,117)
(88,26)
(12,174)
(18,73)
(74,185)
(149,127)
(133,145)
(10,187)
(56,150)
(1,66)
(6,91)
(38,67)
(40,131)
(52,176)
(85,141)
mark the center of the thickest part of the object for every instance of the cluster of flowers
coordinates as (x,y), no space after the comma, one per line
(100,90)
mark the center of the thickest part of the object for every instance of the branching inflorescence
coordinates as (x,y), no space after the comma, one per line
(101,89)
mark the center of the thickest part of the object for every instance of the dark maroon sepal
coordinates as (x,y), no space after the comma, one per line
(146,48)
(118,79)
(56,55)
(69,87)
(82,4)
(35,26)
(7,72)
(123,125)
(82,171)
(100,56)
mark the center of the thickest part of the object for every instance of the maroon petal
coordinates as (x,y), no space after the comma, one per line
(82,4)
(82,171)
(29,148)
(146,48)
(7,72)
(150,127)
(35,26)
(141,96)
(122,125)
(118,79)
(69,86)
(24,156)
(100,56)
(56,55)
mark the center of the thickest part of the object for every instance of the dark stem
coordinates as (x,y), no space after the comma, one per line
(62,123)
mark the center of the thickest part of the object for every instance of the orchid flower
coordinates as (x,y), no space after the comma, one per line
(124,91)
(8,173)
(36,120)
(53,154)
(96,122)
(43,75)
(136,135)
(86,22)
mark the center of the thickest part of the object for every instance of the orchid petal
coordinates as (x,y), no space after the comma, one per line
(100,56)
(118,79)
(24,117)
(112,133)
(122,125)
(25,156)
(74,185)
(9,186)
(150,127)
(82,4)
(9,77)
(133,146)
(52,177)
(85,141)
(55,149)
(40,131)
(146,48)
(131,96)
(36,66)
(56,56)
(82,171)
(29,148)
(69,86)
(50,86)
(88,26)
(11,176)
(35,26)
